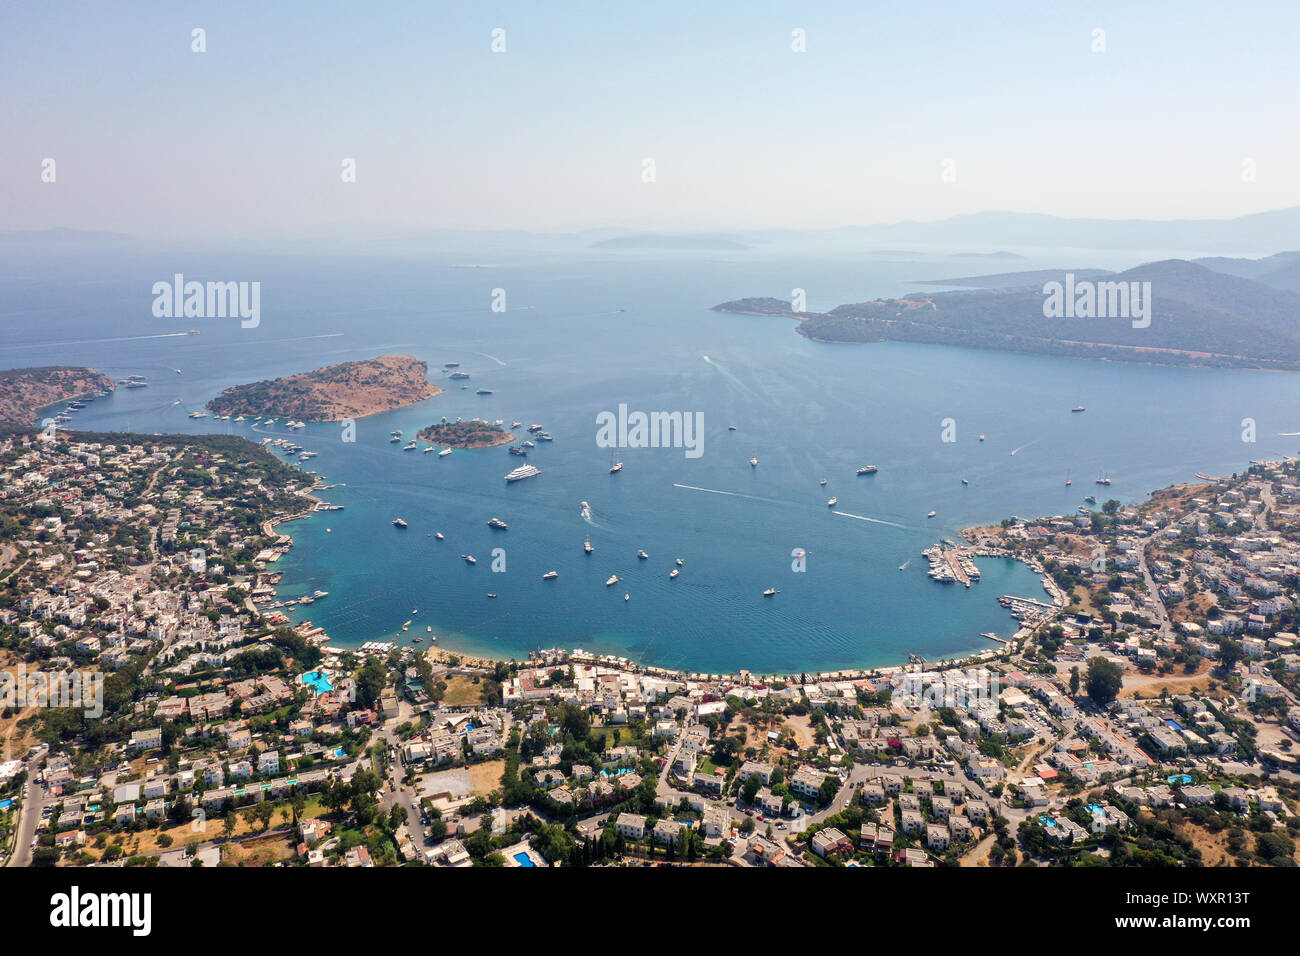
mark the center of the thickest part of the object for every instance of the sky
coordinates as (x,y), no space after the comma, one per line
(891,112)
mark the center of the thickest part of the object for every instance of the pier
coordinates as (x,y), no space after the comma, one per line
(951,564)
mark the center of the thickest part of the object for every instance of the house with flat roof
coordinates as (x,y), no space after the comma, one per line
(630,826)
(668,831)
(831,841)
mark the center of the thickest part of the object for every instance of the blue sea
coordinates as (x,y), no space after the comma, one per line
(586,330)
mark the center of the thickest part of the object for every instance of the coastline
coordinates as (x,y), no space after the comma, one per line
(442,652)
(1198,359)
(319,387)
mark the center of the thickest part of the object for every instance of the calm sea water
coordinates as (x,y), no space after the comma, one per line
(564,352)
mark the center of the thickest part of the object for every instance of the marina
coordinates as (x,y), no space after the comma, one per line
(949,565)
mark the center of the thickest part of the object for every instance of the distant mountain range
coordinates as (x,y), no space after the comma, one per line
(60,234)
(1265,230)
(657,241)
(997,230)
(981,232)
(1212,312)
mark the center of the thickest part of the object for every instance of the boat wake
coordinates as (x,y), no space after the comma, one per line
(1016,451)
(730,494)
(124,338)
(892,524)
(731,377)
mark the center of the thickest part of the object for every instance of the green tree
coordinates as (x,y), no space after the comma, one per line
(1104,681)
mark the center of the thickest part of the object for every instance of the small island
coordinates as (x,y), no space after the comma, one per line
(334,393)
(761,305)
(24,390)
(474,433)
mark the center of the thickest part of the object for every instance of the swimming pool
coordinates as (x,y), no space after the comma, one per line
(317,681)
(6,803)
(523,859)
(1174,724)
(1180,778)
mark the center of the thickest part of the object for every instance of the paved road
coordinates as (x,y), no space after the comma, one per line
(29,818)
(408,800)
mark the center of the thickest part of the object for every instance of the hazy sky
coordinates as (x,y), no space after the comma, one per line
(249,136)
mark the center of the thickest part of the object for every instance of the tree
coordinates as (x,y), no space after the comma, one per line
(370,682)
(1230,652)
(1104,681)
(752,784)
(1074,681)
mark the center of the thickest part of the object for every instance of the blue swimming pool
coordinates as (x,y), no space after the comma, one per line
(523,859)
(1180,778)
(318,682)
(1174,724)
(6,803)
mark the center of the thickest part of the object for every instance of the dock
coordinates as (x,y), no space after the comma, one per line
(951,564)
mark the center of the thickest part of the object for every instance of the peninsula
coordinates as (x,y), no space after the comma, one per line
(1204,313)
(24,390)
(474,433)
(334,393)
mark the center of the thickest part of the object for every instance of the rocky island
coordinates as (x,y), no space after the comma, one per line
(334,393)
(474,433)
(24,390)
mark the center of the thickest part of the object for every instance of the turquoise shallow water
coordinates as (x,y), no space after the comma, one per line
(563,353)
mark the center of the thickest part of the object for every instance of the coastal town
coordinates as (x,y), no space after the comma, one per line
(158,711)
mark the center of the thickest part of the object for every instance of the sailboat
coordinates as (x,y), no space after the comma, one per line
(1068,480)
